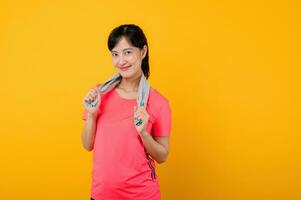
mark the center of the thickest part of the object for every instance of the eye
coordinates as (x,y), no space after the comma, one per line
(128,52)
(114,54)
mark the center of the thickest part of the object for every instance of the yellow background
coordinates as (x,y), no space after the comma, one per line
(230,70)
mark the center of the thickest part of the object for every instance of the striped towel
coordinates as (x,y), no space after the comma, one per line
(143,92)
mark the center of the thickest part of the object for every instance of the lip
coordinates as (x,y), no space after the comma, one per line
(124,68)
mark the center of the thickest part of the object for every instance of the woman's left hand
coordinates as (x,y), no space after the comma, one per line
(142,114)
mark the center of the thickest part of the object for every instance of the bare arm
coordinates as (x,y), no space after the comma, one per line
(157,147)
(88,133)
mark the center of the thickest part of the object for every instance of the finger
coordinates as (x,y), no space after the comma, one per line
(92,91)
(95,91)
(140,113)
(90,94)
(141,109)
(92,97)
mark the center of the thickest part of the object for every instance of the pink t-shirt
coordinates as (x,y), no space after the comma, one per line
(122,170)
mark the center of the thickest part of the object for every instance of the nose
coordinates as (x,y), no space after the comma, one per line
(122,61)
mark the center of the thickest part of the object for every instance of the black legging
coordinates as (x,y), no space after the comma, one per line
(91,198)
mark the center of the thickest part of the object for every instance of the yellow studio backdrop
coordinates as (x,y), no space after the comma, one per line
(230,70)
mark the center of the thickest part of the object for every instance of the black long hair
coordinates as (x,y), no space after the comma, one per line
(136,36)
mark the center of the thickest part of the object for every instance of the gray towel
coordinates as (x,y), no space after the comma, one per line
(143,92)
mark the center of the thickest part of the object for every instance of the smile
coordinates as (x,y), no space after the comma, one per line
(124,68)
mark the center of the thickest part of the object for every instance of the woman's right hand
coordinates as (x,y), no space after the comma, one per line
(92,95)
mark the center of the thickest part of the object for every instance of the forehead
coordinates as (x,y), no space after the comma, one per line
(122,44)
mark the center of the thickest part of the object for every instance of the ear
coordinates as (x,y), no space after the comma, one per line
(144,51)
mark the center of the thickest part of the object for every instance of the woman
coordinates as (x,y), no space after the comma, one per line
(127,124)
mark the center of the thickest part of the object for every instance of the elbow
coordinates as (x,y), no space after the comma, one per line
(88,147)
(86,144)
(162,159)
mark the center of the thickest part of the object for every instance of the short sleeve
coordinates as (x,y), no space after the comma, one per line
(162,122)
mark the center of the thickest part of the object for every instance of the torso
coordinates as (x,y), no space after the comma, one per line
(121,167)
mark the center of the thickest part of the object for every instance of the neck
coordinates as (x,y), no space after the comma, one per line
(130,84)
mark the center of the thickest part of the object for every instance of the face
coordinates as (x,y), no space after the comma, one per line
(127,58)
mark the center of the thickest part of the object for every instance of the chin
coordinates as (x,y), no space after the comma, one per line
(126,74)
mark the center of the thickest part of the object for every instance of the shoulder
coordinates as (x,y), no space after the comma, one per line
(157,98)
(157,103)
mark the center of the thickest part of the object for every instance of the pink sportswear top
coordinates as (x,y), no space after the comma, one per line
(122,170)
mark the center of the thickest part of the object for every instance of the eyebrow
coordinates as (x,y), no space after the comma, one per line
(130,48)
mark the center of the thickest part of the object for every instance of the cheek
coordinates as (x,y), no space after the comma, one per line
(114,61)
(134,58)
(131,59)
